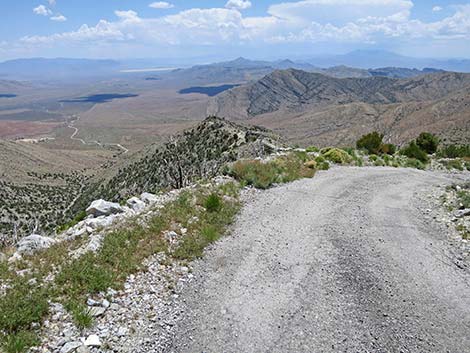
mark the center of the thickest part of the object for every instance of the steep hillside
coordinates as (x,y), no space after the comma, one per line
(314,108)
(197,153)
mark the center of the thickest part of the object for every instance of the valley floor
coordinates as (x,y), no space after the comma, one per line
(344,262)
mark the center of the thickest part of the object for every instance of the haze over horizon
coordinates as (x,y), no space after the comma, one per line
(221,29)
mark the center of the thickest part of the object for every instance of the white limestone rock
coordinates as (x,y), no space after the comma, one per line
(32,243)
(103,208)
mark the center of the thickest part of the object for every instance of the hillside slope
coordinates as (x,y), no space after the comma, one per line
(314,108)
(197,153)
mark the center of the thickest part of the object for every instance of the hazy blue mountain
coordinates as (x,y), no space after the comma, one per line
(371,59)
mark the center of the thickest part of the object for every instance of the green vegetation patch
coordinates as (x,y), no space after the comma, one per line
(454,151)
(337,155)
(428,142)
(412,150)
(262,174)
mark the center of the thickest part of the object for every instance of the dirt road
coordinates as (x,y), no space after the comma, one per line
(343,262)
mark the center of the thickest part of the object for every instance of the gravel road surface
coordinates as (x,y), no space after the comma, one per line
(343,262)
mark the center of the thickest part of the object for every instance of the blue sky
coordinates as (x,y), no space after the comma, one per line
(253,28)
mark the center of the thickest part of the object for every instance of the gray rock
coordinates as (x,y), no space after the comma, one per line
(136,204)
(122,331)
(96,311)
(149,198)
(70,347)
(100,222)
(3,257)
(103,208)
(95,243)
(93,341)
(83,349)
(32,243)
(462,213)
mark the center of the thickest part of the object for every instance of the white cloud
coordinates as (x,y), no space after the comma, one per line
(42,10)
(338,11)
(437,9)
(238,4)
(307,21)
(128,16)
(51,2)
(58,18)
(161,5)
(103,31)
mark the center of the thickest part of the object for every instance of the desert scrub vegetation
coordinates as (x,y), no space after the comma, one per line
(413,151)
(41,205)
(428,142)
(372,143)
(263,174)
(336,155)
(204,211)
(454,151)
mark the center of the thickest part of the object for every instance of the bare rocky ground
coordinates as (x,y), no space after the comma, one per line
(353,260)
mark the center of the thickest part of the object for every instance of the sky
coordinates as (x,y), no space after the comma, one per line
(263,29)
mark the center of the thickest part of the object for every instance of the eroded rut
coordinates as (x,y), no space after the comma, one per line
(343,262)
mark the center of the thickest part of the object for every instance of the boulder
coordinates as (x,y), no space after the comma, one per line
(93,341)
(149,198)
(103,208)
(136,204)
(100,222)
(32,243)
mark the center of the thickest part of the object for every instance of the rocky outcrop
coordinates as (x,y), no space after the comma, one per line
(103,208)
(32,243)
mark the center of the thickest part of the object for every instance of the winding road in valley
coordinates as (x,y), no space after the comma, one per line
(343,262)
(71,125)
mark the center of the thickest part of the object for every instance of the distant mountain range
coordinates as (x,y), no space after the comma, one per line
(315,108)
(354,64)
(366,59)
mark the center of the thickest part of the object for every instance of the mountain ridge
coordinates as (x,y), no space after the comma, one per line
(311,107)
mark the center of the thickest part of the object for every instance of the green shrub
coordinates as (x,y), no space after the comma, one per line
(428,142)
(452,164)
(464,198)
(260,175)
(370,142)
(413,151)
(212,203)
(19,342)
(454,151)
(320,159)
(80,314)
(312,149)
(264,174)
(21,306)
(388,148)
(414,163)
(337,155)
(379,163)
(373,157)
(78,218)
